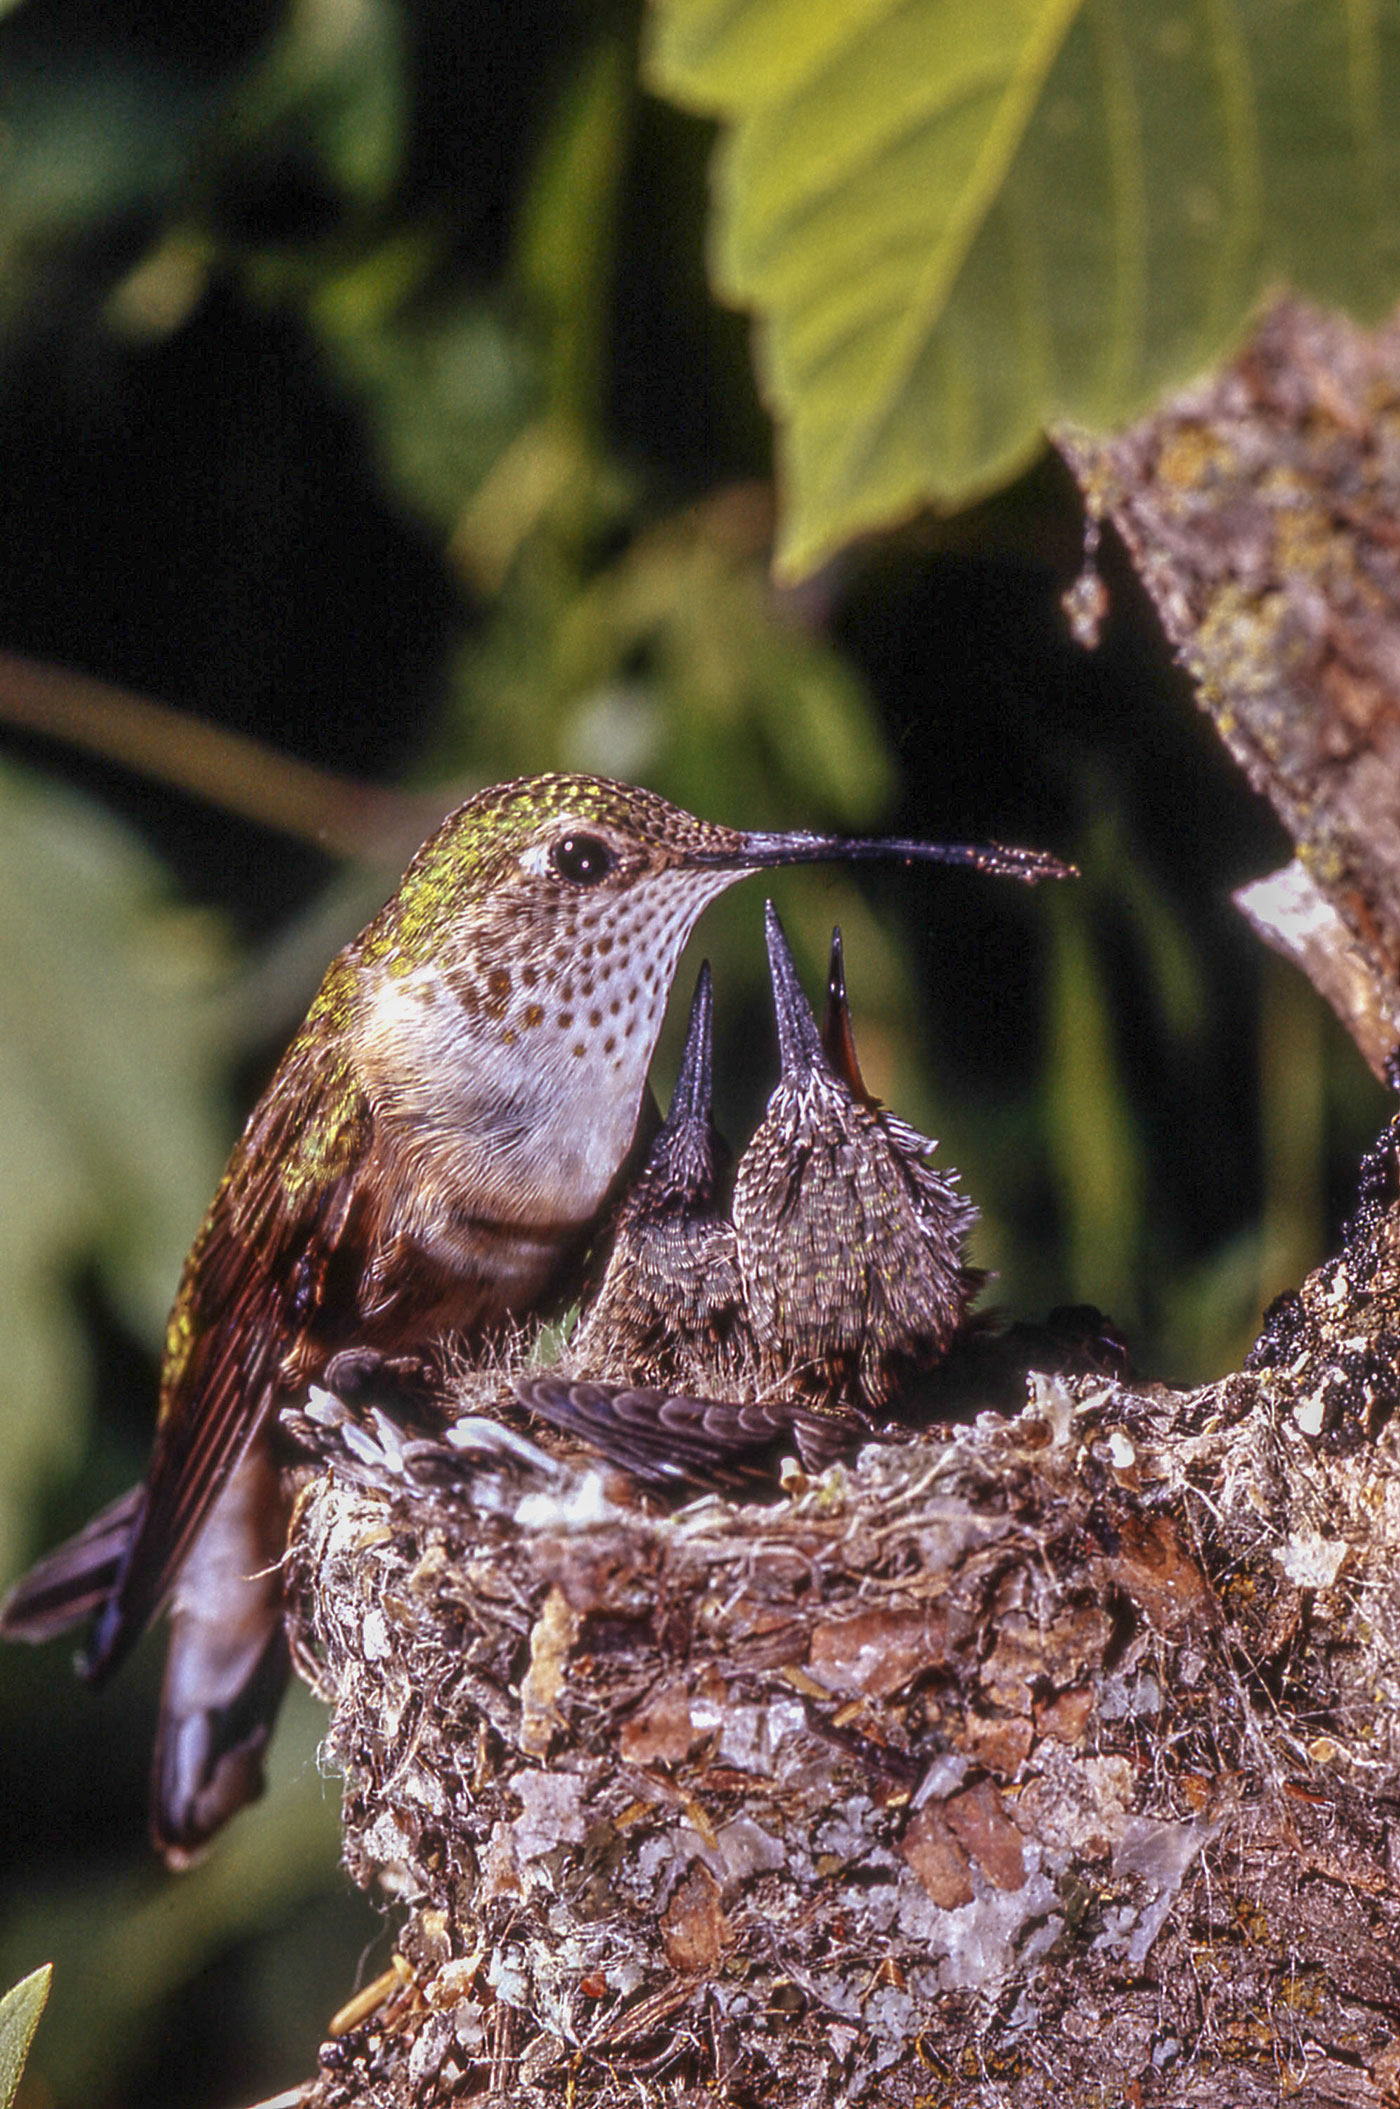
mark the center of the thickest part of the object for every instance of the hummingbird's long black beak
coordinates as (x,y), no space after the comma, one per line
(760,852)
(693,1097)
(838,1040)
(799,1042)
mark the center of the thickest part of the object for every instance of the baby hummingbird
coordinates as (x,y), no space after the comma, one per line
(669,1310)
(851,1247)
(433,1150)
(841,1276)
(660,1375)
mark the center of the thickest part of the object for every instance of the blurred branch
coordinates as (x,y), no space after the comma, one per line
(369,823)
(1289,910)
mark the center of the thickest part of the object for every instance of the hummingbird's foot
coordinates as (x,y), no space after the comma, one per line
(346,1432)
(365,1377)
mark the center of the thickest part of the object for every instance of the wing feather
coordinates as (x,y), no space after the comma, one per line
(670,1439)
(242,1313)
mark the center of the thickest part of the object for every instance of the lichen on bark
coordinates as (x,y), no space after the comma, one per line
(1260,509)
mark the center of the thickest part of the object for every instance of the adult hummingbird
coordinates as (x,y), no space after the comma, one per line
(432,1151)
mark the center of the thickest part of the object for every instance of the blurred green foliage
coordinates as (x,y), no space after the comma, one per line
(111,1118)
(130,1940)
(360,390)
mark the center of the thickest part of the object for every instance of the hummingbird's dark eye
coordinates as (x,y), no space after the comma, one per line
(584,859)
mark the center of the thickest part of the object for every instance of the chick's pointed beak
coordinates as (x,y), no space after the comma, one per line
(838,1039)
(799,1042)
(692,1097)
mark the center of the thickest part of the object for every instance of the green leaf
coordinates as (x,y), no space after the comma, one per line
(444,389)
(567,229)
(959,222)
(109,1138)
(675,664)
(19,2017)
(334,75)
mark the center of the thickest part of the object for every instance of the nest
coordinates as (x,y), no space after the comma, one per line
(1051,1757)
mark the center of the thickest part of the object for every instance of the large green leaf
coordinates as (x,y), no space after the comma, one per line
(109,1138)
(958,221)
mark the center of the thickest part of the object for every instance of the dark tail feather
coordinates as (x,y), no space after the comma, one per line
(69,1584)
(227,1665)
(211,1739)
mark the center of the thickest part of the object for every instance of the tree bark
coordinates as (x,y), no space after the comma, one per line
(1261,509)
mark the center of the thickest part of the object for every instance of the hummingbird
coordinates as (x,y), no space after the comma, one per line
(841,1276)
(669,1310)
(851,1246)
(431,1155)
(660,1375)
(838,1036)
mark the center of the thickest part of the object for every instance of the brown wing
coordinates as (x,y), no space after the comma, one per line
(668,1439)
(284,1207)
